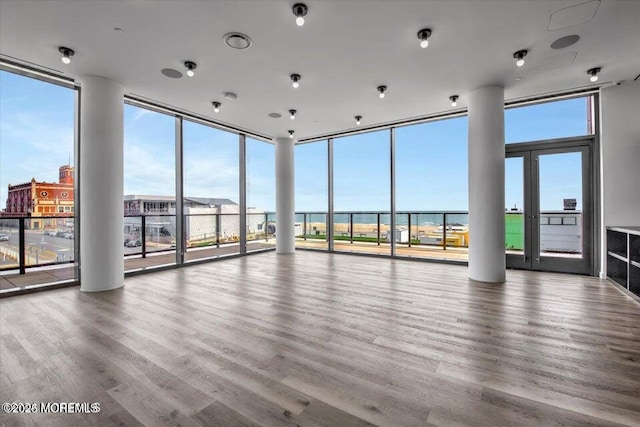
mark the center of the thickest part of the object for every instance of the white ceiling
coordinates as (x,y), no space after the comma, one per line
(344,51)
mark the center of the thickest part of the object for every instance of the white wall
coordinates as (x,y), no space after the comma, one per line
(203,227)
(620,154)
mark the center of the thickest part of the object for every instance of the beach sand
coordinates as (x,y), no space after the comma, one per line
(371,229)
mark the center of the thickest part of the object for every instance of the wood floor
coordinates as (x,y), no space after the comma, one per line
(318,339)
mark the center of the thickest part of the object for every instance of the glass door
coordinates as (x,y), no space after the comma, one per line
(548,217)
(517,216)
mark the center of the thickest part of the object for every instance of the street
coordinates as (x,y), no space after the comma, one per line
(44,249)
(39,248)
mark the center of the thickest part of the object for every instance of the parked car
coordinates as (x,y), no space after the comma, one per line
(133,243)
(4,237)
(68,235)
(50,232)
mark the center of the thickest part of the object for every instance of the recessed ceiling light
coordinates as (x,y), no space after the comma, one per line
(275,115)
(381,91)
(170,72)
(300,11)
(566,41)
(230,96)
(295,80)
(424,35)
(518,78)
(519,57)
(118,30)
(190,65)
(66,54)
(594,74)
(237,40)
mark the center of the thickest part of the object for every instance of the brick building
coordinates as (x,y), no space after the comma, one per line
(43,201)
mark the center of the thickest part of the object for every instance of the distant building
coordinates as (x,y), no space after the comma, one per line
(42,200)
(205,218)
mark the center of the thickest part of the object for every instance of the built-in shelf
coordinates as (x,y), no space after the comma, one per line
(615,255)
(634,247)
(623,257)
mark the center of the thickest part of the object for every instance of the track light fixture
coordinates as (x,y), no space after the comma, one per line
(424,35)
(594,74)
(292,114)
(300,11)
(519,57)
(295,80)
(454,100)
(291,134)
(190,67)
(216,106)
(66,54)
(358,118)
(381,91)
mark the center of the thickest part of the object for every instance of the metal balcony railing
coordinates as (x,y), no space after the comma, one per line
(423,228)
(27,241)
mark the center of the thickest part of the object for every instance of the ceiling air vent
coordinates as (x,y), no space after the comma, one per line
(237,40)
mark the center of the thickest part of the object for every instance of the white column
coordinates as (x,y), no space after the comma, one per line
(486,184)
(101,184)
(285,200)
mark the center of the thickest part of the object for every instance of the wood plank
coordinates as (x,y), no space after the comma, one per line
(561,401)
(218,414)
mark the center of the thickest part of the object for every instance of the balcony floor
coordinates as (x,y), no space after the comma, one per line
(59,273)
(426,252)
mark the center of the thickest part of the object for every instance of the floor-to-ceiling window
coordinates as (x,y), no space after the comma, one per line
(261,194)
(362,193)
(149,188)
(311,168)
(432,189)
(211,191)
(37,181)
(549,120)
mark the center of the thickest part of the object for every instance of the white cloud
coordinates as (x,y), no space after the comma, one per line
(144,173)
(211,178)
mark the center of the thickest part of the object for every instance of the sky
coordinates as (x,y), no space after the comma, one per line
(36,138)
(36,130)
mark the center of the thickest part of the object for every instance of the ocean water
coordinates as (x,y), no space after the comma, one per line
(401,219)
